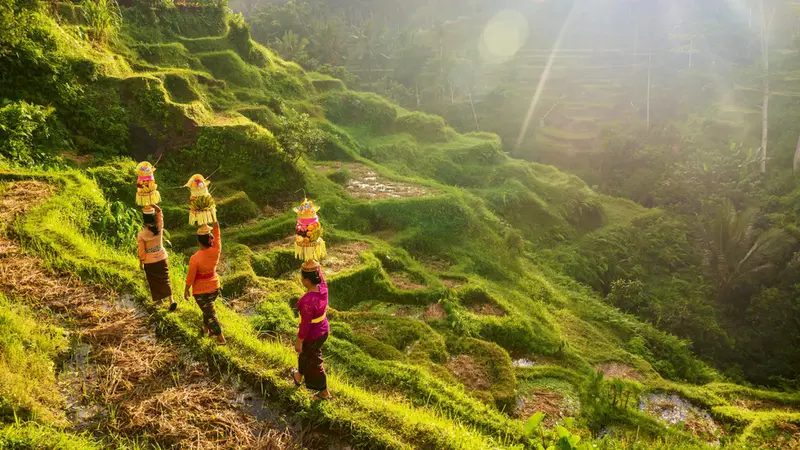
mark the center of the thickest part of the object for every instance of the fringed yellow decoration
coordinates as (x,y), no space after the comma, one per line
(309,251)
(146,188)
(203,217)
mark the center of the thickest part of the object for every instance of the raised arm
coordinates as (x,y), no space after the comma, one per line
(323,285)
(159,218)
(217,237)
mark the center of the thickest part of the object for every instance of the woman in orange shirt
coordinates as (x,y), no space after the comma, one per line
(203,280)
(153,256)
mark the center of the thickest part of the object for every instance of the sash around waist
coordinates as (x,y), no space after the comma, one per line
(205,276)
(155,249)
(318,319)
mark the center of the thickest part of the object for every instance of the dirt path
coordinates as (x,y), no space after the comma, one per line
(120,378)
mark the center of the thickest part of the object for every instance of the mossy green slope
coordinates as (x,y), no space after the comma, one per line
(422,284)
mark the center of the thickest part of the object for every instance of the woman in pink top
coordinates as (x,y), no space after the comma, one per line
(153,256)
(313,332)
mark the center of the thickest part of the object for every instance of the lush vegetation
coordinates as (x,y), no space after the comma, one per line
(658,104)
(477,300)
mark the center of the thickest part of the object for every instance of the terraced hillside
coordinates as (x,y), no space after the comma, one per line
(451,325)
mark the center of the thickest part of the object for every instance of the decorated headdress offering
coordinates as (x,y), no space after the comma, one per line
(308,243)
(202,209)
(146,187)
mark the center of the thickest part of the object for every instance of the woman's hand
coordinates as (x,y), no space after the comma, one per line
(141,265)
(186,292)
(298,346)
(157,208)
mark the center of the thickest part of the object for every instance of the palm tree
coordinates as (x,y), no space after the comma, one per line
(290,46)
(734,248)
(329,43)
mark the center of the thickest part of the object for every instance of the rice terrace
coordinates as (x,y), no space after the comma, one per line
(509,224)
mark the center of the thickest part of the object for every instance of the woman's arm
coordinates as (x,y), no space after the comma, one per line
(159,218)
(217,237)
(305,321)
(323,285)
(141,251)
(191,275)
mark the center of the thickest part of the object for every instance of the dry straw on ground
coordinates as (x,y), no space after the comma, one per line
(129,381)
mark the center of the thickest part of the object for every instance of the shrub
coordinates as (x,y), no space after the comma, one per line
(236,209)
(341,73)
(297,135)
(328,84)
(103,18)
(341,176)
(424,127)
(359,108)
(26,133)
(274,317)
(239,36)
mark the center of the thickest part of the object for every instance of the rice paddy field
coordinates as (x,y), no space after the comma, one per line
(453,326)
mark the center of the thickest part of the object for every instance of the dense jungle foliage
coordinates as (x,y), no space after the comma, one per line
(619,271)
(659,103)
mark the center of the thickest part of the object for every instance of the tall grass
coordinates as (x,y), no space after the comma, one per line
(103,18)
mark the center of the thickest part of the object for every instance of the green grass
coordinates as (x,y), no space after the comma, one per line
(34,436)
(28,349)
(518,234)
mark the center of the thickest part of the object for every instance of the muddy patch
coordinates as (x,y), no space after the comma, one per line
(364,183)
(405,281)
(532,361)
(672,409)
(555,406)
(487,309)
(452,283)
(344,256)
(471,374)
(788,437)
(435,311)
(247,302)
(619,370)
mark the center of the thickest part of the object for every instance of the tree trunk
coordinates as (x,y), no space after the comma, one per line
(797,156)
(649,78)
(416,91)
(765,32)
(452,94)
(475,116)
(691,51)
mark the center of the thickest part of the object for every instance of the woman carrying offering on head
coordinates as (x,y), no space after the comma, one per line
(203,280)
(313,332)
(153,255)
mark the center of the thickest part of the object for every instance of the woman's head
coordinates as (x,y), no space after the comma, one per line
(310,277)
(205,240)
(149,221)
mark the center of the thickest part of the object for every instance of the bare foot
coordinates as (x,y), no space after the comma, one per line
(322,395)
(298,378)
(221,340)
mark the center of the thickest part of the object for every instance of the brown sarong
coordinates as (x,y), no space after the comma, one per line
(158,279)
(206,304)
(309,364)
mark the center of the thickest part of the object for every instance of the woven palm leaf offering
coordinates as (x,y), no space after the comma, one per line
(146,188)
(308,243)
(202,209)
